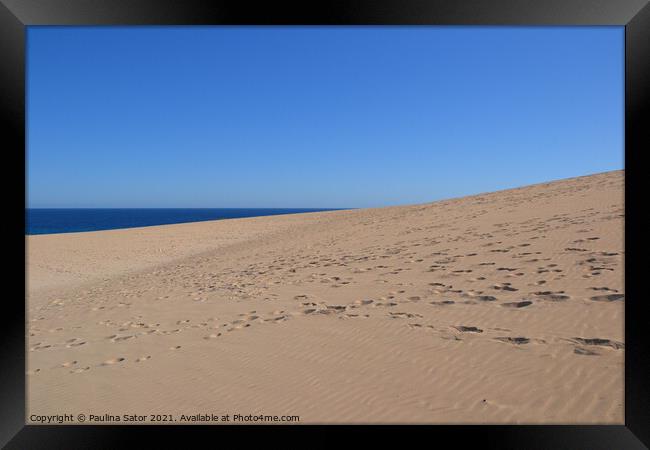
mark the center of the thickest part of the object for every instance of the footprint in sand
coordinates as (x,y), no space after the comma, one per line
(363,302)
(504,287)
(110,362)
(402,315)
(276,319)
(608,298)
(521,304)
(443,302)
(355,316)
(39,346)
(599,342)
(584,351)
(466,329)
(337,308)
(552,296)
(514,340)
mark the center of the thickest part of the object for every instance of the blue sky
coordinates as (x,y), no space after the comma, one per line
(315,116)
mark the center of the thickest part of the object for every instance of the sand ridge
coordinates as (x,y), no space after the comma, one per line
(504,307)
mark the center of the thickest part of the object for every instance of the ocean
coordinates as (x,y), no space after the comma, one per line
(51,221)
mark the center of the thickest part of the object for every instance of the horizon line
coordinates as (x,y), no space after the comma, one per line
(342,208)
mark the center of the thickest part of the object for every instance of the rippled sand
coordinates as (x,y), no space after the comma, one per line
(504,307)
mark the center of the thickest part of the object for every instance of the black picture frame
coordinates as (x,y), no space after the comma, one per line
(634,15)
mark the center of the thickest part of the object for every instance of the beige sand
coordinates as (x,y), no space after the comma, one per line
(496,308)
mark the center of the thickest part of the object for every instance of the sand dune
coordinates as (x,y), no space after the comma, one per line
(505,307)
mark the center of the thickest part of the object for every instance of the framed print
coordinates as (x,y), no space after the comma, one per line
(286,217)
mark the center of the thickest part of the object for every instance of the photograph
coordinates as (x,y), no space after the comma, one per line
(325,225)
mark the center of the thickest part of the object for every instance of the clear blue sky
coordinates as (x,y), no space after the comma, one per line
(315,116)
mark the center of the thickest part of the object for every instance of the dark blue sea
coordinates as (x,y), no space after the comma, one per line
(48,221)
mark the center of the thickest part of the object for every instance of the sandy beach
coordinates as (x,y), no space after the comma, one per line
(504,307)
